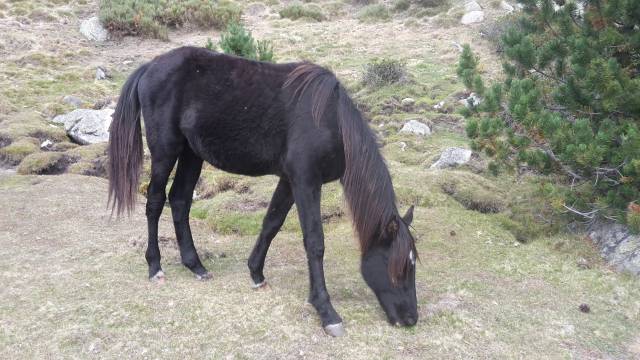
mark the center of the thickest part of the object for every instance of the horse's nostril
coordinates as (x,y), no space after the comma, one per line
(410,321)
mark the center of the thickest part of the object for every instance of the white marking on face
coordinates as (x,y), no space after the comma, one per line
(412,258)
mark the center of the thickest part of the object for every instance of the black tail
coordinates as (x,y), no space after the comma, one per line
(125,147)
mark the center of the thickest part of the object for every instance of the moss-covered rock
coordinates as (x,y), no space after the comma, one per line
(42,163)
(13,153)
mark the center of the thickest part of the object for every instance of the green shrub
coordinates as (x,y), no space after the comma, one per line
(237,40)
(401,5)
(298,11)
(382,72)
(373,13)
(152,17)
(569,105)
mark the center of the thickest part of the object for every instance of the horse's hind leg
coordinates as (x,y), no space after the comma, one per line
(281,203)
(161,167)
(180,197)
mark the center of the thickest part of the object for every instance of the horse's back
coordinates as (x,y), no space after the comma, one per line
(231,111)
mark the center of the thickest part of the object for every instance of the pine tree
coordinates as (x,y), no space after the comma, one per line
(570,103)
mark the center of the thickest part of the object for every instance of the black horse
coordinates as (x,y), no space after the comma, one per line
(293,120)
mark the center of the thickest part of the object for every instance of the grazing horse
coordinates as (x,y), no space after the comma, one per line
(294,121)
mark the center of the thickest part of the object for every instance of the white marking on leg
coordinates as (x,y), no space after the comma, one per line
(258,286)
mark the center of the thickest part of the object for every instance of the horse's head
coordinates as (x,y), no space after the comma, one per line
(390,272)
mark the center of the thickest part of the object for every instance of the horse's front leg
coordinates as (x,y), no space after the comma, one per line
(307,198)
(281,203)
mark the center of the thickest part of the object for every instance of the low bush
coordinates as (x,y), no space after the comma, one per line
(382,72)
(237,40)
(373,13)
(152,18)
(298,11)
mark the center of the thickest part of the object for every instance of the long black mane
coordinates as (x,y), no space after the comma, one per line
(367,183)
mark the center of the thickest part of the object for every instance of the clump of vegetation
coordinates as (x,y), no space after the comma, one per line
(477,198)
(299,11)
(432,3)
(570,104)
(237,40)
(13,153)
(633,217)
(42,163)
(373,13)
(401,5)
(152,18)
(380,72)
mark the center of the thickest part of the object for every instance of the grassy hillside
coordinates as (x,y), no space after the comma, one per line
(500,277)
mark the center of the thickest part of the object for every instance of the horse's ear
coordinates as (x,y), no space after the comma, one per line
(408,217)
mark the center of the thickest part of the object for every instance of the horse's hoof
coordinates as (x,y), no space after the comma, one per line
(204,277)
(158,278)
(263,285)
(335,330)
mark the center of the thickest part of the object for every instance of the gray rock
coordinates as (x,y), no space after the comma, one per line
(93,30)
(506,6)
(472,100)
(472,17)
(86,126)
(46,144)
(72,100)
(472,6)
(416,127)
(451,157)
(618,246)
(407,102)
(102,73)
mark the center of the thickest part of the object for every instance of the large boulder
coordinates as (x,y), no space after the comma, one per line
(86,126)
(93,30)
(451,157)
(618,246)
(416,127)
(473,13)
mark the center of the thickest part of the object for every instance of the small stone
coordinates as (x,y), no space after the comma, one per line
(439,105)
(407,102)
(416,127)
(102,73)
(93,30)
(451,157)
(506,6)
(471,101)
(72,100)
(585,308)
(452,233)
(583,264)
(46,144)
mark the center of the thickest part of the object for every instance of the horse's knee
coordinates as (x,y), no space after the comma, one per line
(154,206)
(179,209)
